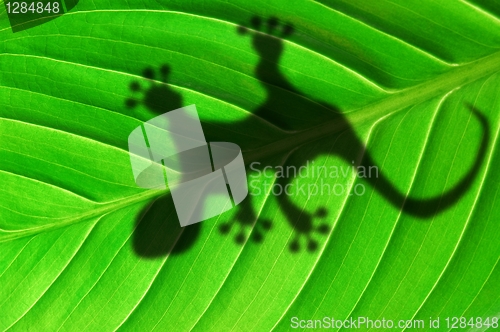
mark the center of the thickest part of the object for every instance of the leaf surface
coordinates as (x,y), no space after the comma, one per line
(409,87)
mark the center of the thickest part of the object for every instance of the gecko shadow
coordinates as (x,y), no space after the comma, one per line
(158,231)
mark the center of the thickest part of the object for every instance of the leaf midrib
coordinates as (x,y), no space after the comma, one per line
(99,211)
(454,78)
(439,85)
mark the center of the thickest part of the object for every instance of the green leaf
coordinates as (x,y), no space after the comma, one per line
(410,88)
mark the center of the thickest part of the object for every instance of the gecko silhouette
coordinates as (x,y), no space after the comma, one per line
(161,233)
